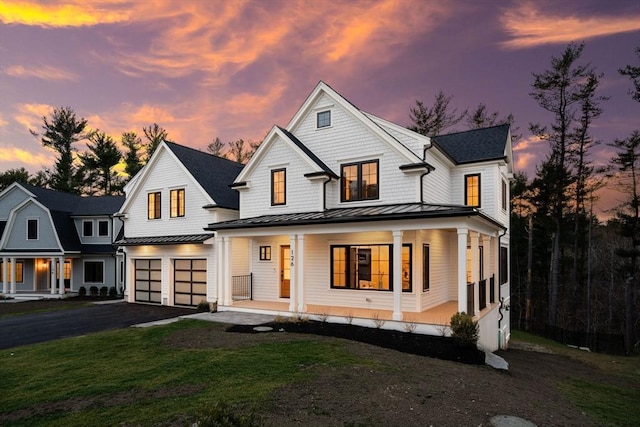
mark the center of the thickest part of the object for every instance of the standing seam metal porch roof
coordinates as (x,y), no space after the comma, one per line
(164,240)
(355,214)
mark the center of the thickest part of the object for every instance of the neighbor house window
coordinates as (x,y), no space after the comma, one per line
(103,228)
(504,265)
(19,271)
(94,272)
(426,268)
(176,203)
(368,267)
(265,253)
(324,119)
(504,195)
(32,229)
(87,228)
(472,190)
(359,181)
(278,187)
(153,205)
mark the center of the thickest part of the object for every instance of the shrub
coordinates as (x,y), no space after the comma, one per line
(221,414)
(112,292)
(464,329)
(82,291)
(93,291)
(203,306)
(104,291)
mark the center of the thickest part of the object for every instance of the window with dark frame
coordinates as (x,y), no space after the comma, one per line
(323,119)
(278,187)
(176,203)
(103,228)
(472,190)
(19,271)
(359,181)
(265,253)
(32,229)
(154,205)
(504,265)
(87,228)
(426,268)
(504,195)
(368,267)
(93,272)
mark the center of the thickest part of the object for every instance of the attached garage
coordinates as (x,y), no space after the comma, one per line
(189,281)
(148,280)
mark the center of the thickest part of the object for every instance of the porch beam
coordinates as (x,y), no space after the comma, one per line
(462,269)
(397,274)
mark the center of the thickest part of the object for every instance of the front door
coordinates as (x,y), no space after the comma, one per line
(285,271)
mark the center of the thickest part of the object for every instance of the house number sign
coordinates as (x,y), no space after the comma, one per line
(292,263)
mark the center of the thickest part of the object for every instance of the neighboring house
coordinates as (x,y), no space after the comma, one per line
(345,214)
(56,242)
(169,256)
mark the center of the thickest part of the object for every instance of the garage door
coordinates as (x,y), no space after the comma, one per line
(148,278)
(189,281)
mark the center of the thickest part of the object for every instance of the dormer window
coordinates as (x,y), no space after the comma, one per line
(472,190)
(323,119)
(359,181)
(153,205)
(32,229)
(278,187)
(87,228)
(176,202)
(103,228)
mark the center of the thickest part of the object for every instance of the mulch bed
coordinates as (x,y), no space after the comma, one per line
(438,347)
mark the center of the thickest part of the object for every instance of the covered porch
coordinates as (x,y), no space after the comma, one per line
(37,274)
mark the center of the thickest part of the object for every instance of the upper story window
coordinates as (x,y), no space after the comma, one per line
(323,119)
(359,181)
(103,228)
(278,187)
(153,205)
(176,203)
(32,229)
(504,195)
(472,190)
(87,228)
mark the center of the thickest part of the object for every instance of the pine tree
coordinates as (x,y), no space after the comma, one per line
(99,160)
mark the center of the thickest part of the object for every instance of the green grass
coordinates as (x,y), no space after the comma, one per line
(610,404)
(79,379)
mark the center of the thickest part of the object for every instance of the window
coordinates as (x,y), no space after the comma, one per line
(504,265)
(32,229)
(87,228)
(359,181)
(153,205)
(368,267)
(94,272)
(324,119)
(103,228)
(472,190)
(278,187)
(504,195)
(19,271)
(176,203)
(265,253)
(426,268)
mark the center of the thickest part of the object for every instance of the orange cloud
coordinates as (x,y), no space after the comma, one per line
(44,72)
(77,13)
(529,26)
(3,122)
(30,115)
(13,154)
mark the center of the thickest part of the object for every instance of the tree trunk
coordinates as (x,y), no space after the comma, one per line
(527,316)
(555,266)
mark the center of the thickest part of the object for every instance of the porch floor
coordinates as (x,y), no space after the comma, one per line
(438,315)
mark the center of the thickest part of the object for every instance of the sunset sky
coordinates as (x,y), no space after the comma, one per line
(232,69)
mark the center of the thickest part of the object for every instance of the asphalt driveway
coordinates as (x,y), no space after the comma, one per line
(34,328)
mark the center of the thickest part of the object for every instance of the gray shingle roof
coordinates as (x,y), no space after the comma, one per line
(164,240)
(345,215)
(475,145)
(215,174)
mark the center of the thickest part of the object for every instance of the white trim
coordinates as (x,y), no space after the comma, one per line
(84,270)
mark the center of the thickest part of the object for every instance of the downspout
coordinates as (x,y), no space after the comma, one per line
(499,294)
(424,158)
(324,193)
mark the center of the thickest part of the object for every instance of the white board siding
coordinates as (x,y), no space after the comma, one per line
(165,176)
(411,143)
(442,264)
(266,274)
(17,237)
(437,184)
(302,195)
(167,254)
(10,200)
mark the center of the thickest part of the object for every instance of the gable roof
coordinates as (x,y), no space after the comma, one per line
(73,203)
(475,145)
(214,174)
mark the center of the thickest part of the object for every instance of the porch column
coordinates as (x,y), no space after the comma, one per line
(61,275)
(219,269)
(13,275)
(475,272)
(486,266)
(228,296)
(462,269)
(300,270)
(293,273)
(397,275)
(52,274)
(5,281)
